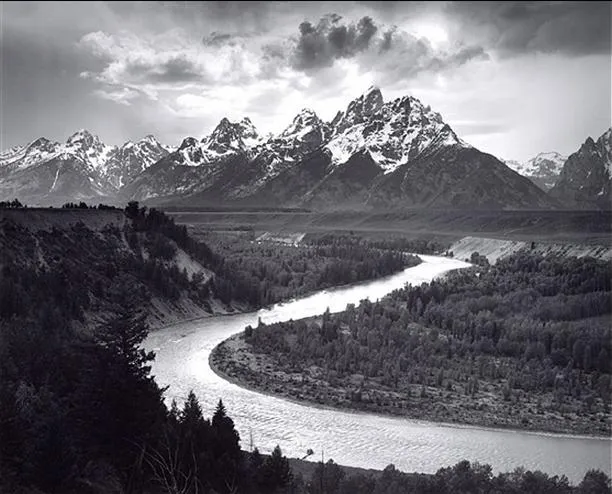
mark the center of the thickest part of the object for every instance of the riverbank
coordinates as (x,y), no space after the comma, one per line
(163,315)
(234,361)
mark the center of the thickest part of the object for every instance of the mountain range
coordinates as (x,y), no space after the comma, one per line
(83,168)
(372,155)
(543,170)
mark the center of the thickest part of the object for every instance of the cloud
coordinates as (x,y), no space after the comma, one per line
(515,28)
(169,61)
(319,46)
(400,56)
(132,60)
(218,39)
(121,96)
(318,61)
(175,69)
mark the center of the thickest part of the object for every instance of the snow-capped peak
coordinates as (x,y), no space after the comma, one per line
(249,133)
(21,157)
(104,167)
(359,110)
(82,138)
(187,143)
(394,133)
(89,148)
(230,137)
(304,123)
(542,165)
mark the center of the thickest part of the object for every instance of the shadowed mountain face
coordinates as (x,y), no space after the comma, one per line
(586,178)
(374,154)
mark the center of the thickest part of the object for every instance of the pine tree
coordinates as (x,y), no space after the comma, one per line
(122,335)
(228,465)
(277,472)
(192,411)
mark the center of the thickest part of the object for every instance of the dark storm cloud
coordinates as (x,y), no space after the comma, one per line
(514,28)
(217,39)
(401,55)
(461,57)
(319,46)
(174,70)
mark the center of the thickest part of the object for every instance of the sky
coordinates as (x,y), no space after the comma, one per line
(512,78)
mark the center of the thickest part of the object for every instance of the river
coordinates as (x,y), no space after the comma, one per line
(355,439)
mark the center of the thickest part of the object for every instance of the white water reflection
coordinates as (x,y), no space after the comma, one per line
(356,439)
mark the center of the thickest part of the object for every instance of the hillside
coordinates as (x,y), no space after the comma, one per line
(92,257)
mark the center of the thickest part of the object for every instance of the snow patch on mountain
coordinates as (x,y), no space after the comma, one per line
(394,133)
(82,161)
(542,164)
(22,157)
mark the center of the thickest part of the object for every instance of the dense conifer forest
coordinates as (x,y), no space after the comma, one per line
(525,343)
(80,412)
(264,273)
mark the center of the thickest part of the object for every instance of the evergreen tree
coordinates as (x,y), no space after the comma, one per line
(122,335)
(228,465)
(276,471)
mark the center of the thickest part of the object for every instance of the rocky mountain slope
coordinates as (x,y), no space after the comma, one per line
(399,154)
(543,170)
(46,172)
(586,178)
(373,155)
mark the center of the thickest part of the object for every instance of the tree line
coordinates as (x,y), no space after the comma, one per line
(79,409)
(533,330)
(266,273)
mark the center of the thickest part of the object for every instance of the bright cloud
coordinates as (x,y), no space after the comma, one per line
(507,75)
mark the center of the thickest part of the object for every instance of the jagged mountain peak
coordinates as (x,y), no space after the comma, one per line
(148,141)
(413,106)
(187,143)
(230,137)
(548,155)
(303,123)
(83,137)
(394,132)
(586,177)
(43,144)
(249,131)
(543,169)
(150,138)
(359,110)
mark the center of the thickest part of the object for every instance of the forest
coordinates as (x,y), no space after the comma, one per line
(265,273)
(525,343)
(80,412)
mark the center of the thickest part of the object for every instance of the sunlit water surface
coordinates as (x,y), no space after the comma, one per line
(356,439)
